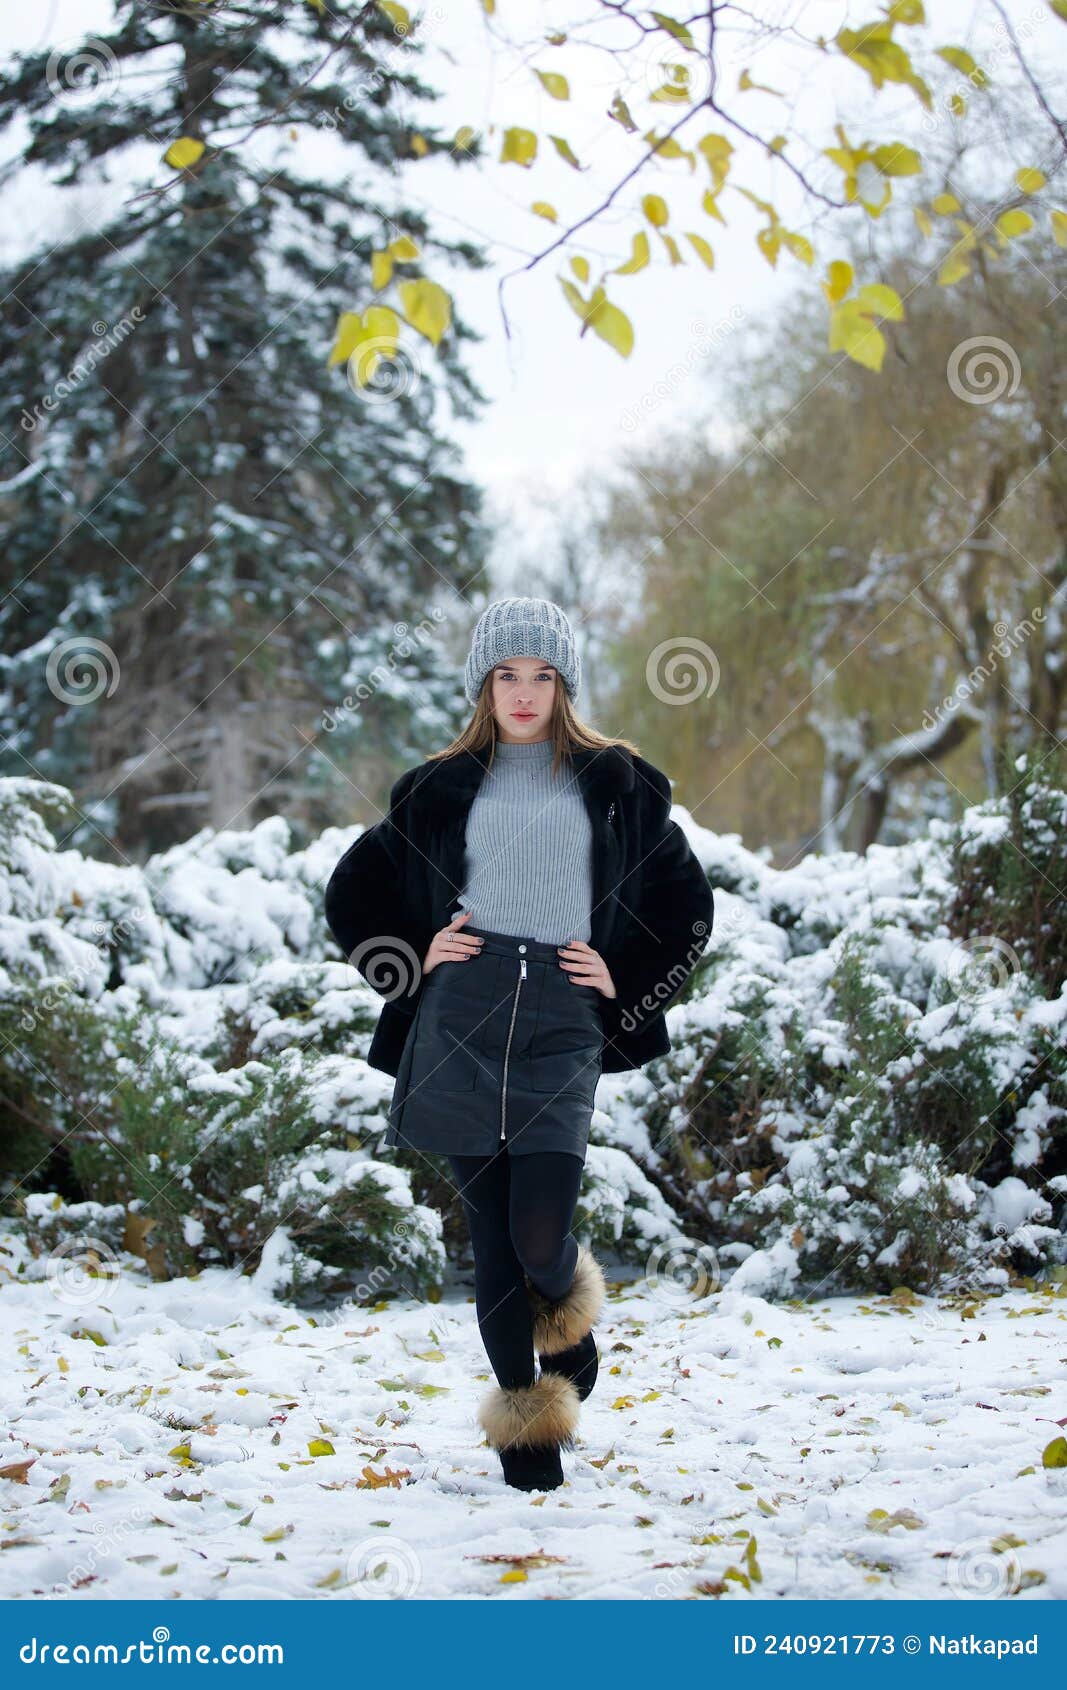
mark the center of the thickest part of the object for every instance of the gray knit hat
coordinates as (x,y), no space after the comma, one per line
(523,628)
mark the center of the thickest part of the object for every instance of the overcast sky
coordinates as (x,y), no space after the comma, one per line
(562,409)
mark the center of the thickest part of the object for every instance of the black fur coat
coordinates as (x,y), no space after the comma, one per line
(652,914)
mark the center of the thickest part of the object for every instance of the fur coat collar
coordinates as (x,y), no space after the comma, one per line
(451,784)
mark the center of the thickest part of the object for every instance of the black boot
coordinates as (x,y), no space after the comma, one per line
(532,1469)
(528,1425)
(580,1364)
(562,1331)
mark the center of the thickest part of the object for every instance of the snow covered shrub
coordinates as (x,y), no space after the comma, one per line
(55,1077)
(867,1086)
(1009,870)
(219,1159)
(165,1055)
(619,1211)
(870,1108)
(47,1223)
(879,1184)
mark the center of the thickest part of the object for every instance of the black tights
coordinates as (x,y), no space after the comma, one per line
(519,1211)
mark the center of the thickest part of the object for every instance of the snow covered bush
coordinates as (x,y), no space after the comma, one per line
(882,1107)
(1009,874)
(154,1065)
(868,1085)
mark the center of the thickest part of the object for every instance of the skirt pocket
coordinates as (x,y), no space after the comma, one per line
(449,1052)
(567,1049)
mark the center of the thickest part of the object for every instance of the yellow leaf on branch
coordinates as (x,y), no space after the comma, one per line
(717,151)
(701,248)
(1013,223)
(961,60)
(563,148)
(744,82)
(840,280)
(638,257)
(655,209)
(553,83)
(613,326)
(519,147)
(183,153)
(427,307)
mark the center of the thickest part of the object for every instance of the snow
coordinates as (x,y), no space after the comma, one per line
(1011,1203)
(1032,1125)
(878,1448)
(811,1144)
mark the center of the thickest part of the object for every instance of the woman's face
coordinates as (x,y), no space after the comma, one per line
(523,695)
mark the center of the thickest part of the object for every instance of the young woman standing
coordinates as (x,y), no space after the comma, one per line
(530,898)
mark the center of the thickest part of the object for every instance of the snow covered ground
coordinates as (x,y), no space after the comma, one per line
(157,1442)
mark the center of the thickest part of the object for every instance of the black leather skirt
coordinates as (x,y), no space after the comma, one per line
(505,1051)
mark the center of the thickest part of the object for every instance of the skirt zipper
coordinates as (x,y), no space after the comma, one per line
(507,1047)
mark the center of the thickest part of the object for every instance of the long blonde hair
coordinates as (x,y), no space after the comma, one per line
(566,729)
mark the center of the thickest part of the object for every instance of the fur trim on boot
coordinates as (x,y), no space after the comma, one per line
(544,1414)
(559,1326)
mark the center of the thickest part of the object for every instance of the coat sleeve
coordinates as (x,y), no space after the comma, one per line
(672,924)
(365,903)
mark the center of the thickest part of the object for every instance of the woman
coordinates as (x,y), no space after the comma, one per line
(528,909)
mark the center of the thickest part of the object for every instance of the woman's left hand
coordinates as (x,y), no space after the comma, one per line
(586,966)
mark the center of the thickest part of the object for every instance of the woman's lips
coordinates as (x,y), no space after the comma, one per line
(523,715)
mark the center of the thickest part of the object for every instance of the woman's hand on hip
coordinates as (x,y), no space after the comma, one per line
(450,945)
(586,966)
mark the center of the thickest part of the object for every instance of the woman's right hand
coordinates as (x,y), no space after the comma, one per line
(446,949)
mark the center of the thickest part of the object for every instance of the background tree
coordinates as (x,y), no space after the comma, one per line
(863,595)
(244,541)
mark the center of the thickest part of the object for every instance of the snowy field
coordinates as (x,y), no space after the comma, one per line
(196,1438)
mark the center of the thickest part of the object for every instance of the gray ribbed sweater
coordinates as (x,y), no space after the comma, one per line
(529,849)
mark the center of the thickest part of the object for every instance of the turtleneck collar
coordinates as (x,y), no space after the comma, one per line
(528,749)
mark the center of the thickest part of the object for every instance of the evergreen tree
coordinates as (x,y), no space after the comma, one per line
(185,479)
